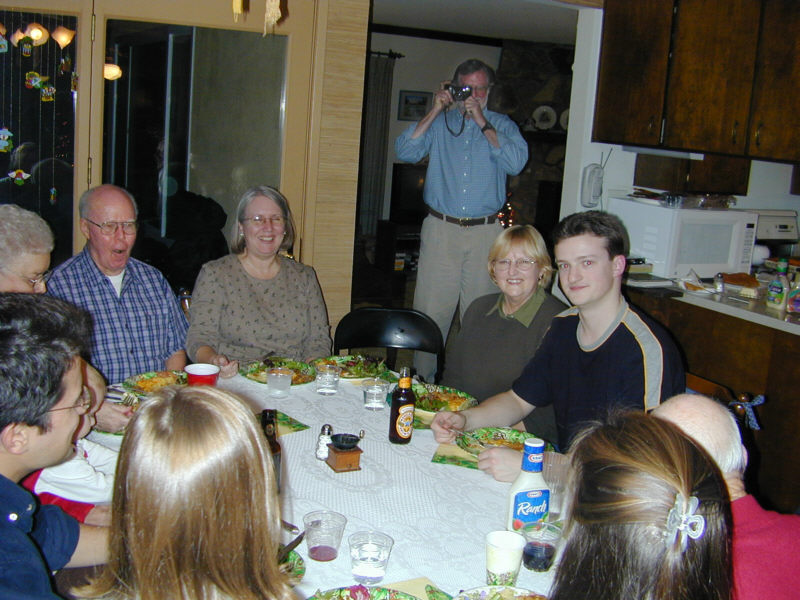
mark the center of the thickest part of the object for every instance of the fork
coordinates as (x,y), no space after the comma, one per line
(129,399)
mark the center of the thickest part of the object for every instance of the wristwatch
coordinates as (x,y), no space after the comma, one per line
(486,127)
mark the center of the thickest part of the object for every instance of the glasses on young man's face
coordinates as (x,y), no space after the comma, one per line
(111,227)
(81,406)
(258,220)
(522,264)
(35,281)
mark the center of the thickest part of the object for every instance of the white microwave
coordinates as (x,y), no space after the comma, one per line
(677,240)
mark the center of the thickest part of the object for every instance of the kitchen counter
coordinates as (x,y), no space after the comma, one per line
(754,311)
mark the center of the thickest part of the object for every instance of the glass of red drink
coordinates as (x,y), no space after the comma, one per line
(541,544)
(324,530)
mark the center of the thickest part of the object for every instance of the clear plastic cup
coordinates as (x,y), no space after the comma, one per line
(369,555)
(324,530)
(374,389)
(279,381)
(327,380)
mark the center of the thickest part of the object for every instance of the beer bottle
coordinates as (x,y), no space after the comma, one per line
(270,425)
(401,420)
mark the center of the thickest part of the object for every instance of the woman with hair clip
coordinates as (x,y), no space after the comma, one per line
(649,516)
(195,512)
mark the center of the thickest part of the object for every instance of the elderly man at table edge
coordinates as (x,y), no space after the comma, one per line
(471,150)
(765,559)
(42,399)
(138,323)
(598,354)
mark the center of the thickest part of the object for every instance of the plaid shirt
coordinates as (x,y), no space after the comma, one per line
(134,332)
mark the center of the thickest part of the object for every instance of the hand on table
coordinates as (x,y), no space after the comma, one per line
(504,464)
(227,368)
(446,425)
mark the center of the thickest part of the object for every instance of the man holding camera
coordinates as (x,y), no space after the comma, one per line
(471,150)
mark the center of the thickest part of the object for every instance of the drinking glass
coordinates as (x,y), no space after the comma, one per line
(542,541)
(503,557)
(279,380)
(375,390)
(369,554)
(324,530)
(327,380)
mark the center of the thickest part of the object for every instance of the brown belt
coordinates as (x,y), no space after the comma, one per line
(464,222)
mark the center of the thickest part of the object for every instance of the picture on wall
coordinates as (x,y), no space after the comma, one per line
(413,105)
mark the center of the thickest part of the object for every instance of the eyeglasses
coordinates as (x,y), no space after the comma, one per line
(81,406)
(523,264)
(40,280)
(111,227)
(258,220)
(481,88)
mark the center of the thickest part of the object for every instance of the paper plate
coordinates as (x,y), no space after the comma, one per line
(544,117)
(257,370)
(475,441)
(434,398)
(361,592)
(498,592)
(356,366)
(296,567)
(146,383)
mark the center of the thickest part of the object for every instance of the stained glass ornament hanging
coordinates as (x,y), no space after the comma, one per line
(3,44)
(19,176)
(53,195)
(5,140)
(48,93)
(65,65)
(26,46)
(34,80)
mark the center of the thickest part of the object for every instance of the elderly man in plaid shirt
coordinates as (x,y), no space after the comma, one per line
(138,323)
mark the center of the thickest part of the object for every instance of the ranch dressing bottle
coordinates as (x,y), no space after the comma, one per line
(529,497)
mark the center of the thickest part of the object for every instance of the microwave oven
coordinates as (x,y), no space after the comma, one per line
(677,240)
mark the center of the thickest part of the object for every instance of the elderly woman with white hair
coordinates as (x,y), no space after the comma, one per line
(256,302)
(25,246)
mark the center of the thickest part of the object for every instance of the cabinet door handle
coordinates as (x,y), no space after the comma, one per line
(735,132)
(650,124)
(758,135)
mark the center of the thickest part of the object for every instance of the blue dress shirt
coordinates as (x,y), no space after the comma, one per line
(466,175)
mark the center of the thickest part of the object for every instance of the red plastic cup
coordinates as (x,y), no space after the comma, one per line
(201,374)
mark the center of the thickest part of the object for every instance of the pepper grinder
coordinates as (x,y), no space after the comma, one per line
(323,441)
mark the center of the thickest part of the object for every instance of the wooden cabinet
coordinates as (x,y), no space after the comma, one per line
(713,76)
(774,116)
(633,71)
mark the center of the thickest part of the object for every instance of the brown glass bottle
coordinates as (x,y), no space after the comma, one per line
(270,425)
(401,420)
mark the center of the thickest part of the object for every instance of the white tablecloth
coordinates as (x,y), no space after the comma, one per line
(437,514)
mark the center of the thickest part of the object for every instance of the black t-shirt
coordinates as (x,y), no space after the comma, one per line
(634,365)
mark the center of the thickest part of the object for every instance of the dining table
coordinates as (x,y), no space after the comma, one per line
(437,514)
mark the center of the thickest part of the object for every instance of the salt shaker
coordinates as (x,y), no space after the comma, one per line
(323,441)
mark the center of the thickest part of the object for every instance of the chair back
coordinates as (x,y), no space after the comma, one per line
(389,328)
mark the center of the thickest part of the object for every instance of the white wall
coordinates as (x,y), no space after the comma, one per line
(426,64)
(769,182)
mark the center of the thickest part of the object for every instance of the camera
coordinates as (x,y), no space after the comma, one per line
(460,92)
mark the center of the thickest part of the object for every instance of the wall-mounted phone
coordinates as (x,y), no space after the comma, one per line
(592,185)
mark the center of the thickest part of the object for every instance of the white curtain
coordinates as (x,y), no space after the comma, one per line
(374,141)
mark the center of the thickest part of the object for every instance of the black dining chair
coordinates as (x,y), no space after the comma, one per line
(390,328)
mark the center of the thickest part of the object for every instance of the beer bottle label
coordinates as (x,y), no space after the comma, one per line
(405,421)
(530,506)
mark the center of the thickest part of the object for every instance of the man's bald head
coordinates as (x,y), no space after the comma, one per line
(711,425)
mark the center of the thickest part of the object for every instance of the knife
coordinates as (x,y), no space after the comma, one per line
(284,552)
(291,528)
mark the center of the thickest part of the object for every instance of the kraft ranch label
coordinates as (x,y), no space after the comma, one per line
(530,507)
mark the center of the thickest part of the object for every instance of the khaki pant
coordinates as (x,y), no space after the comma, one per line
(451,272)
